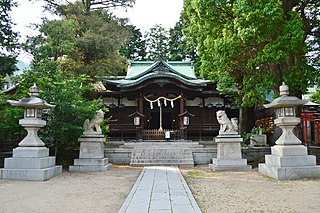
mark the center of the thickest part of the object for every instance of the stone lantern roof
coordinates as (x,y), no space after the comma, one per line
(284,99)
(33,101)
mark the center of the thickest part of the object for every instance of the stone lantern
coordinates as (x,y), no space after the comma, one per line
(31,159)
(289,159)
(285,108)
(32,121)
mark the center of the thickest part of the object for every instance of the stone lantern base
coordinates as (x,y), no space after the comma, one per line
(30,163)
(288,162)
(91,156)
(229,156)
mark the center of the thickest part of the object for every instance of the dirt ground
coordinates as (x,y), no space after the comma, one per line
(251,192)
(214,192)
(70,192)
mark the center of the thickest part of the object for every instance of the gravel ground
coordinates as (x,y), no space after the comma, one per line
(251,192)
(214,192)
(70,192)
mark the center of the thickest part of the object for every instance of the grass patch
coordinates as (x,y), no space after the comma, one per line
(200,174)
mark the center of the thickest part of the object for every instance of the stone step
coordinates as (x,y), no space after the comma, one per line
(162,145)
(161,156)
(172,161)
(160,153)
(155,150)
(162,164)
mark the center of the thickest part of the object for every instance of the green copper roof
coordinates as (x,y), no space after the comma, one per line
(132,82)
(139,71)
(139,68)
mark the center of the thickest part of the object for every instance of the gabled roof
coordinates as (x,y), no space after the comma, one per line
(140,68)
(139,71)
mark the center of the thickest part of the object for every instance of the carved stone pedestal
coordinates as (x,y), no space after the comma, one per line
(288,162)
(30,163)
(31,160)
(229,156)
(91,156)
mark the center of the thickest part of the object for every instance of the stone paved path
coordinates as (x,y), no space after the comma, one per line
(160,189)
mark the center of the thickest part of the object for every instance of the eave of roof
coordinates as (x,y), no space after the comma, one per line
(152,75)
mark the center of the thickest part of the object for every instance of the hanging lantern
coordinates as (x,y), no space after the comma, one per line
(159,104)
(136,120)
(186,120)
(172,104)
(151,105)
(165,102)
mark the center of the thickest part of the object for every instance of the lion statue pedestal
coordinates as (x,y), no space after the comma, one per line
(228,141)
(91,156)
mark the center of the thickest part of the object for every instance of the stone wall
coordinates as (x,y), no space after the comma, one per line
(200,155)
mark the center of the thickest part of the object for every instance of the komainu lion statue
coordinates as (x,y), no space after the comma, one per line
(94,123)
(225,124)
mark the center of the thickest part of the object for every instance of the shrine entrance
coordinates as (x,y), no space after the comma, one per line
(162,115)
(169,118)
(153,122)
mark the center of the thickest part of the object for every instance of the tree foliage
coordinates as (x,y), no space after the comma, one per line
(176,44)
(157,39)
(8,39)
(67,53)
(135,49)
(250,45)
(87,43)
(89,5)
(180,48)
(67,92)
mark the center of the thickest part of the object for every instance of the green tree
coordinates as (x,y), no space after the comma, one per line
(180,48)
(86,43)
(99,38)
(157,39)
(67,92)
(249,47)
(135,49)
(56,40)
(8,39)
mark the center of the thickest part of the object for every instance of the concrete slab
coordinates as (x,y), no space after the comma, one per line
(160,189)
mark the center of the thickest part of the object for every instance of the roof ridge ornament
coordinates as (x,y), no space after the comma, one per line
(284,89)
(160,57)
(34,91)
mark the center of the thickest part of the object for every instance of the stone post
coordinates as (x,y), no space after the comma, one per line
(229,157)
(91,155)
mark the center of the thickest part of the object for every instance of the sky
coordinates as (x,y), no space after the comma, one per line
(144,14)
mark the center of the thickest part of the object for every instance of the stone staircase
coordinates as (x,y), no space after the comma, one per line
(161,157)
(162,154)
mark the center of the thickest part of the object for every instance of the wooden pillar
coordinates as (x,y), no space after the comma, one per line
(182,110)
(140,109)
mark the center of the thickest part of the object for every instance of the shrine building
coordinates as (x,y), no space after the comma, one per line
(162,101)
